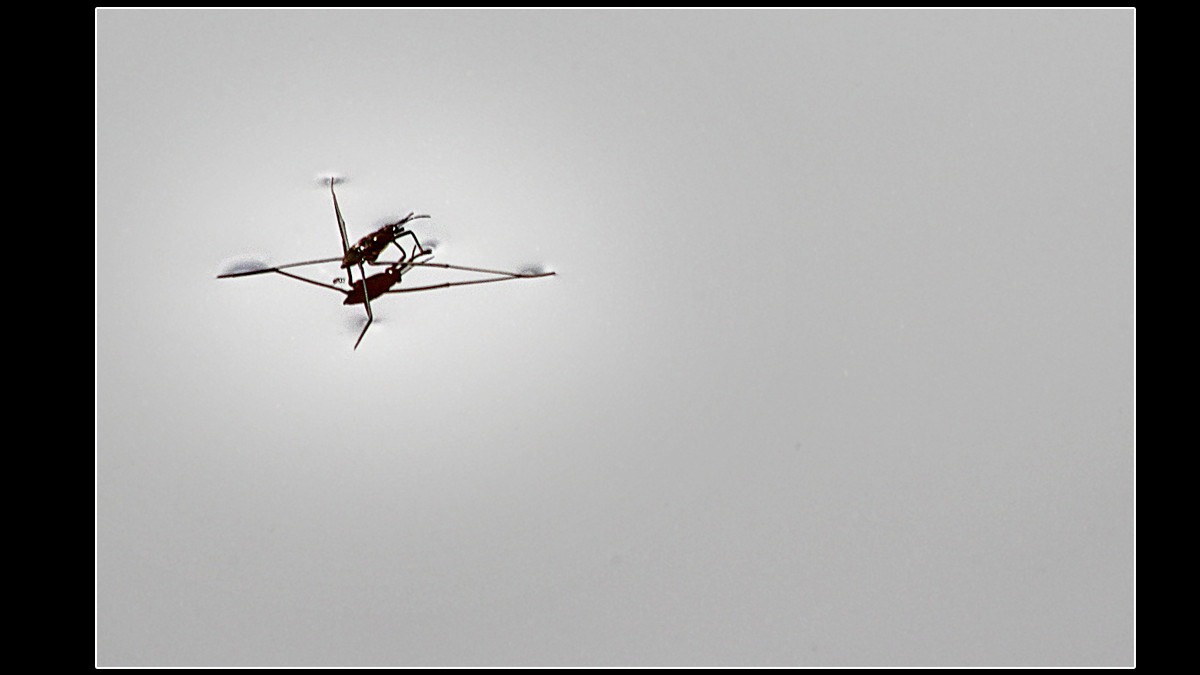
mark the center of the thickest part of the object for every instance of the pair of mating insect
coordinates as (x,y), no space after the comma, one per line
(367,251)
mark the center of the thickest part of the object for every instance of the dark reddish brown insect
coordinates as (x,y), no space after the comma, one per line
(369,247)
(367,251)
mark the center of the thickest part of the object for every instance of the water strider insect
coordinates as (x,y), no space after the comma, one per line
(367,251)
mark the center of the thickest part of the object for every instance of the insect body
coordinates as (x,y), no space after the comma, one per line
(368,248)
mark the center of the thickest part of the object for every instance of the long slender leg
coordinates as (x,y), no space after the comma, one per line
(472,269)
(310,281)
(367,302)
(346,247)
(468,283)
(264,270)
(341,223)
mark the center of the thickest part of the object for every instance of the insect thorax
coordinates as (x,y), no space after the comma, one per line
(369,247)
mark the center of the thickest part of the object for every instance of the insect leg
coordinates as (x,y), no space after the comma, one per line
(473,281)
(403,253)
(367,303)
(419,250)
(341,223)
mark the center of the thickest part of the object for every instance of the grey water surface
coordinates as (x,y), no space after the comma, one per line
(837,368)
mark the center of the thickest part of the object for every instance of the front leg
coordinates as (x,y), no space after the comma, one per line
(418,249)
